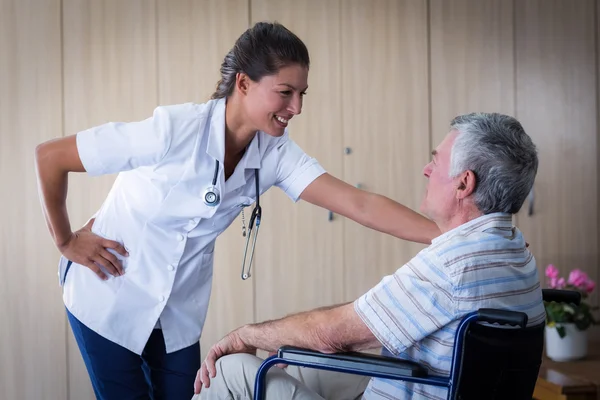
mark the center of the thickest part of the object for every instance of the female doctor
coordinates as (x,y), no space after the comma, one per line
(137,278)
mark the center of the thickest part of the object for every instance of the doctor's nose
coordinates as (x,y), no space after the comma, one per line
(295,106)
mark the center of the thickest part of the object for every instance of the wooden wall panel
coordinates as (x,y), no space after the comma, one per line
(472,60)
(109,50)
(385,111)
(557,104)
(193,39)
(32,331)
(299,256)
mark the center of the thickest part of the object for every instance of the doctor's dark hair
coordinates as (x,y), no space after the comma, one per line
(502,156)
(260,51)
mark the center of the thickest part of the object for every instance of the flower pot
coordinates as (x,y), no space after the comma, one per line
(571,347)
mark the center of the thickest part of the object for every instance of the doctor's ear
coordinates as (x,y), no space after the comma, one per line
(466,185)
(242,83)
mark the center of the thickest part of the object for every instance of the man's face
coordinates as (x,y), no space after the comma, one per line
(440,202)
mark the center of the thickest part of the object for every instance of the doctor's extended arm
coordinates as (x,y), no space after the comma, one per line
(370,209)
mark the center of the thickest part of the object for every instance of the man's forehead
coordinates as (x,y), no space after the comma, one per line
(447,142)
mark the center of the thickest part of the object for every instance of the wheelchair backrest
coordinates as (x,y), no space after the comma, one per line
(499,363)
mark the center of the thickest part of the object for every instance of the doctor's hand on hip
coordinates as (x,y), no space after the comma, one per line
(86,248)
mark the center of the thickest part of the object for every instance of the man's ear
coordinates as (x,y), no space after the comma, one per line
(466,185)
(242,83)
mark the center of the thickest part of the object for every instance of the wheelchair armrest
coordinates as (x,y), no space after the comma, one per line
(353,361)
(561,296)
(502,317)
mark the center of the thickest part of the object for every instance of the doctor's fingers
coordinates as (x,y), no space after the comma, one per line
(100,260)
(91,265)
(116,246)
(112,260)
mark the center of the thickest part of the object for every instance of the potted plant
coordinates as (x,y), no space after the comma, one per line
(567,324)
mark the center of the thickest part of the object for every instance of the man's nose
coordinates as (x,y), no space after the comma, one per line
(427,170)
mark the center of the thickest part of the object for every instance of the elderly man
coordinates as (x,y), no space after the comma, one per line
(479,176)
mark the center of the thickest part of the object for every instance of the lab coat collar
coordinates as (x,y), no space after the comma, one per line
(216,140)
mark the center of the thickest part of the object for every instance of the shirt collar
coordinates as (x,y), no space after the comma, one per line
(216,139)
(479,224)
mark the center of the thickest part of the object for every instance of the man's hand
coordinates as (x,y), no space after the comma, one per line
(230,344)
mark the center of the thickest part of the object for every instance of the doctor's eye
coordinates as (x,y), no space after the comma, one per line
(286,92)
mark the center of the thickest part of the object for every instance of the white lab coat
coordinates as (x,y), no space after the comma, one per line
(155,209)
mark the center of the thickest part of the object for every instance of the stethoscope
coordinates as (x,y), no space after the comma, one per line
(212,198)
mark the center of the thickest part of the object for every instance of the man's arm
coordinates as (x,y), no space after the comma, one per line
(328,330)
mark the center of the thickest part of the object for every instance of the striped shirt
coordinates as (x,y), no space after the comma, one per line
(415,312)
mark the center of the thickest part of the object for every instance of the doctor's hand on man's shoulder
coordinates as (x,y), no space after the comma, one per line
(86,248)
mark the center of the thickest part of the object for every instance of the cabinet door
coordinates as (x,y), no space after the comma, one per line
(472,60)
(109,54)
(557,104)
(32,328)
(385,123)
(299,257)
(193,39)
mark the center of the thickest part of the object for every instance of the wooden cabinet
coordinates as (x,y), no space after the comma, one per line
(33,356)
(362,53)
(386,124)
(299,255)
(556,84)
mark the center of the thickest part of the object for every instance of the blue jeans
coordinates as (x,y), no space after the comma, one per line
(120,374)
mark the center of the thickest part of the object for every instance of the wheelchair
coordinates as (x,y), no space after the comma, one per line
(488,362)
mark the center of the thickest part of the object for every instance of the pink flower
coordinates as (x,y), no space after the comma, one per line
(557,283)
(551,271)
(578,278)
(590,286)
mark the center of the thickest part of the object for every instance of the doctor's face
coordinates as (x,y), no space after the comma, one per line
(440,199)
(274,100)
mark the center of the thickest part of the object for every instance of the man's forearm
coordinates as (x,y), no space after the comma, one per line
(328,330)
(303,330)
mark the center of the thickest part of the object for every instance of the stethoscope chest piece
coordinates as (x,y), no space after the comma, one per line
(211,196)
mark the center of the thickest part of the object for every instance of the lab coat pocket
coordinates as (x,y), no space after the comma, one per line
(63,269)
(203,277)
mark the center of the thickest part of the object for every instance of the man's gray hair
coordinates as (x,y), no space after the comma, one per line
(502,156)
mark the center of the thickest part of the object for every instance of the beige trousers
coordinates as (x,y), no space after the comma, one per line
(236,373)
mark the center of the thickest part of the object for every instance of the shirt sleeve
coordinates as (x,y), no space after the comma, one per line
(296,170)
(409,305)
(120,146)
